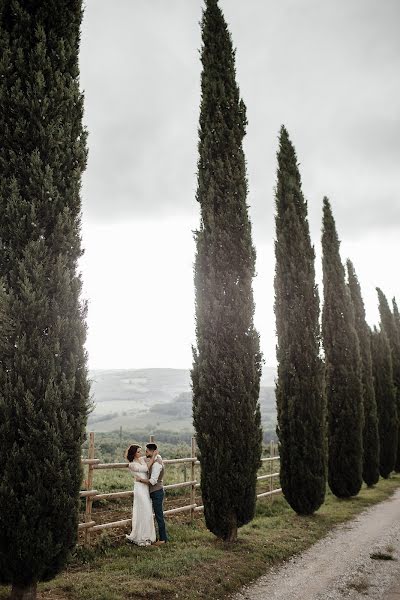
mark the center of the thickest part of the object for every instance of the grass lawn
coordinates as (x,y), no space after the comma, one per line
(197,565)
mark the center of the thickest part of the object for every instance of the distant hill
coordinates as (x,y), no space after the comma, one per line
(138,385)
(155,398)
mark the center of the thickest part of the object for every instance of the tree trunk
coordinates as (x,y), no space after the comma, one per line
(23,592)
(232,535)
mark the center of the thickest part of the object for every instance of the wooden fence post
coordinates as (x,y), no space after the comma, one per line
(89,483)
(192,478)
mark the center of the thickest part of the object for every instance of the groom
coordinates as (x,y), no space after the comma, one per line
(157,492)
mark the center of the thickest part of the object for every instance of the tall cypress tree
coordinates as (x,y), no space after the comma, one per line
(385,395)
(43,375)
(396,315)
(227,362)
(370,432)
(389,326)
(343,370)
(396,318)
(299,388)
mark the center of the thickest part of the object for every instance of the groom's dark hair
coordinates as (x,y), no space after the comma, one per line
(151,447)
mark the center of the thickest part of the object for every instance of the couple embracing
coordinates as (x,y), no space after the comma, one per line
(148,495)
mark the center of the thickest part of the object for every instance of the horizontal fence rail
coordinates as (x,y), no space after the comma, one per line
(91,495)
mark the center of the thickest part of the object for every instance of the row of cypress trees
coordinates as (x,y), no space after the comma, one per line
(333,413)
(337,419)
(389,338)
(43,377)
(373,399)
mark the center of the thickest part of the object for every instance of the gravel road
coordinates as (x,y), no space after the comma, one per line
(340,565)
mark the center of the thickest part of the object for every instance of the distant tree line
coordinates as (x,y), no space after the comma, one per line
(110,446)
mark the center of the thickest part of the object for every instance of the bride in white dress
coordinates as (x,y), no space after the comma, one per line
(143,531)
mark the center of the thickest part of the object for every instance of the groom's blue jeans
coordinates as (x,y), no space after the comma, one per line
(157,499)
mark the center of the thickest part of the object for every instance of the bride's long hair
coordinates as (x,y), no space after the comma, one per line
(130,452)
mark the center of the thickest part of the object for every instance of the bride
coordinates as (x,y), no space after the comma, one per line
(143,531)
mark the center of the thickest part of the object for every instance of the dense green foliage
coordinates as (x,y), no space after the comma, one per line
(43,377)
(343,370)
(370,432)
(396,316)
(227,362)
(5,324)
(385,395)
(389,324)
(299,388)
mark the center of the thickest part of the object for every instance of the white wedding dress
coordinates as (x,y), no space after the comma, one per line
(143,531)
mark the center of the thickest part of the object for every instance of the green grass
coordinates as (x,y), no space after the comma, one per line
(112,480)
(197,565)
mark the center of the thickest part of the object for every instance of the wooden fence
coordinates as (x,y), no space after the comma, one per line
(91,494)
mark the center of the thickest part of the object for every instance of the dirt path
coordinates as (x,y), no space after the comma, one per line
(340,565)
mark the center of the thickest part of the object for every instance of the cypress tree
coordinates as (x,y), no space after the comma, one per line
(343,370)
(370,432)
(299,387)
(396,315)
(43,375)
(227,362)
(385,395)
(389,326)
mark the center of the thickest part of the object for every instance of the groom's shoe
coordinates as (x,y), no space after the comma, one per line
(158,543)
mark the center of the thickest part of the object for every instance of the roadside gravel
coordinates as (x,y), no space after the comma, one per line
(358,560)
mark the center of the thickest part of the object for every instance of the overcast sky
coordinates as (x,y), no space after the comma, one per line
(328,70)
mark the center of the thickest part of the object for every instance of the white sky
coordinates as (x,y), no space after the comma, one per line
(328,71)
